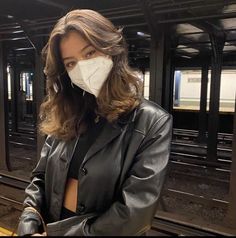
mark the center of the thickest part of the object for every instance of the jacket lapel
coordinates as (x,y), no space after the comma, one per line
(68,151)
(109,132)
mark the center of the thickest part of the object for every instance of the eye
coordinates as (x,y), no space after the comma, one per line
(69,65)
(90,53)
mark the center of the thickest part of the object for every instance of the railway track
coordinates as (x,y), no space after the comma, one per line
(23,139)
(224,139)
(160,226)
(197,154)
(12,190)
(173,228)
(183,155)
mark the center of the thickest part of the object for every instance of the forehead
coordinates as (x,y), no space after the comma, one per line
(72,43)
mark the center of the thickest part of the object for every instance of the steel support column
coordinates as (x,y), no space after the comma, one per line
(202,120)
(217,43)
(169,72)
(231,215)
(4,162)
(161,71)
(13,97)
(39,89)
(156,70)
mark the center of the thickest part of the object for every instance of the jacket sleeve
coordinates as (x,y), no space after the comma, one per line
(34,195)
(133,212)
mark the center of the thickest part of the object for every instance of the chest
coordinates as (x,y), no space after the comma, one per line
(99,173)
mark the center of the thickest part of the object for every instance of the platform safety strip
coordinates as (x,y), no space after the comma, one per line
(5,232)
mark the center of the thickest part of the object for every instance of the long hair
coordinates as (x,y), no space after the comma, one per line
(65,107)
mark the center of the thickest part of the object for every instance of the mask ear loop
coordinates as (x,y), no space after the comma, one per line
(72,85)
(57,86)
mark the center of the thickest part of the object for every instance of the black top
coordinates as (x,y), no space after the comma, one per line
(84,143)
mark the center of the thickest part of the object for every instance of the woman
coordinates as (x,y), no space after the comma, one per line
(104,160)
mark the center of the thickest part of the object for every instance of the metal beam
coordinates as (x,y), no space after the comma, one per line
(213,119)
(54,4)
(169,72)
(202,119)
(156,70)
(196,18)
(24,27)
(190,44)
(116,9)
(177,3)
(188,54)
(207,26)
(184,9)
(28,36)
(150,18)
(13,95)
(4,158)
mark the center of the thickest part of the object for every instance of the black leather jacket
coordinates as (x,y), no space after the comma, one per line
(120,178)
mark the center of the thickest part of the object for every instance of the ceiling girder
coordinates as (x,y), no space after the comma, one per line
(150,18)
(54,4)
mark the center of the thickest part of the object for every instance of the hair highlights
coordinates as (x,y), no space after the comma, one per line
(64,107)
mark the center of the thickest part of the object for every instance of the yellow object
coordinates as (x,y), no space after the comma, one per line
(5,232)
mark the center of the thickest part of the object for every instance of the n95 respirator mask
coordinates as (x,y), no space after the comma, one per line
(91,74)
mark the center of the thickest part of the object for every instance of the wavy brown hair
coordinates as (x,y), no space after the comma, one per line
(64,107)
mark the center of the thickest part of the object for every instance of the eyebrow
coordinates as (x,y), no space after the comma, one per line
(70,57)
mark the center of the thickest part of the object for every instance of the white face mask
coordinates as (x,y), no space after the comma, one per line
(90,74)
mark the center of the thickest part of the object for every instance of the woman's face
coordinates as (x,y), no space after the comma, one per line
(74,47)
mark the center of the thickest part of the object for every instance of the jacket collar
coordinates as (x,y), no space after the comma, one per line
(110,132)
(127,118)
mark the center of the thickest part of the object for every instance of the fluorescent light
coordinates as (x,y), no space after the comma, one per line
(229,8)
(185,56)
(139,33)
